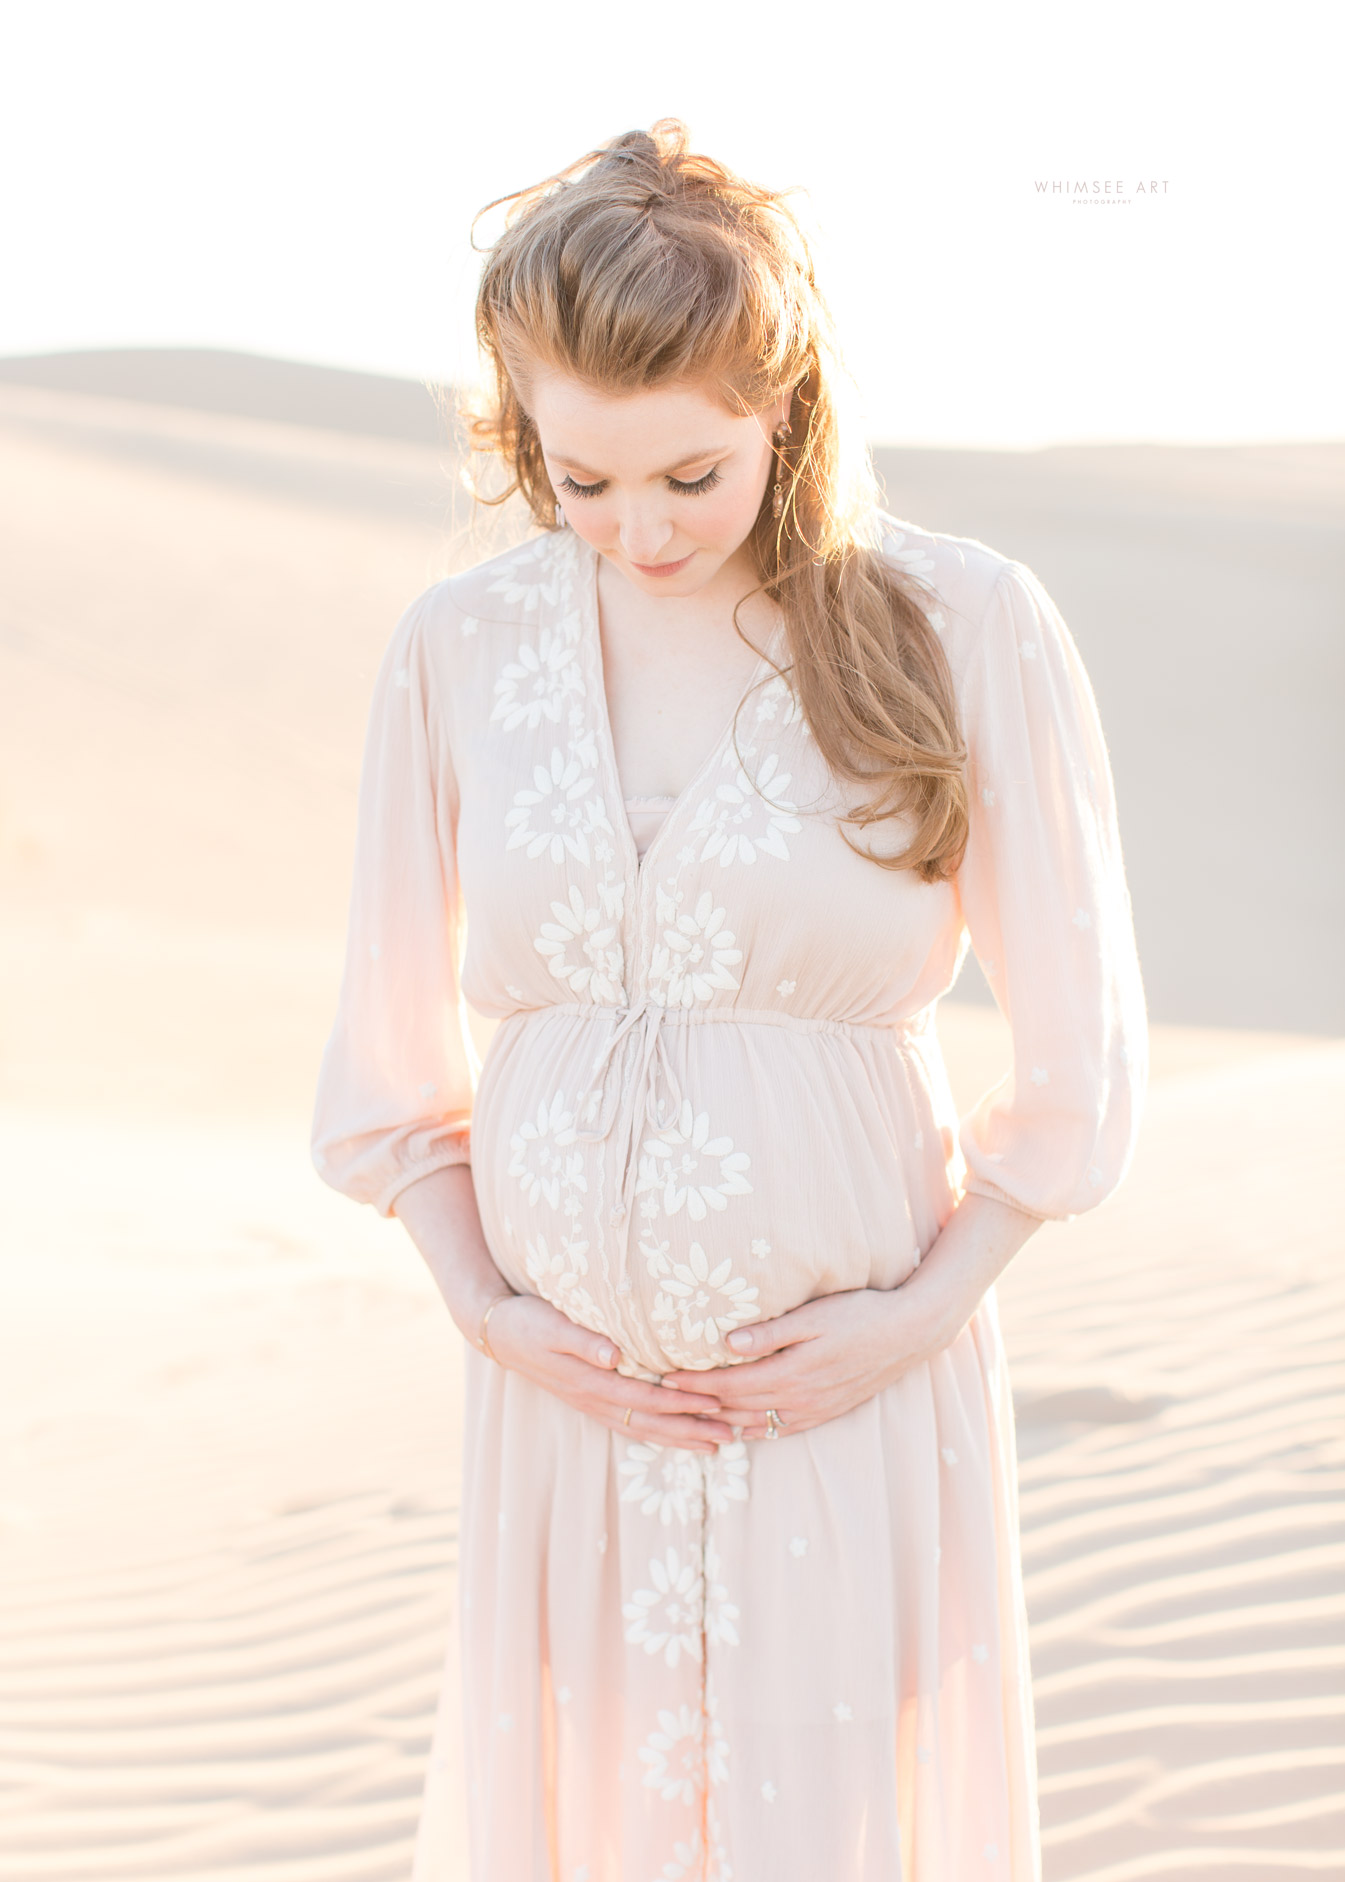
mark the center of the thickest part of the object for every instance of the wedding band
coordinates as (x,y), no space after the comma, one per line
(626,1419)
(774,1423)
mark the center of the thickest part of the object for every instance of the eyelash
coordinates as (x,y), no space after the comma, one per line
(701,485)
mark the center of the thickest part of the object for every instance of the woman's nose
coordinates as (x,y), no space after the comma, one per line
(644,535)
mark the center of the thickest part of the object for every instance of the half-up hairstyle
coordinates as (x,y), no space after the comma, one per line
(645,265)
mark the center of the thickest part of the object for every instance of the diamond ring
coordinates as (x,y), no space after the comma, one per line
(774,1424)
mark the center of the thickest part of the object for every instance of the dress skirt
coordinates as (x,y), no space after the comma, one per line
(793,1660)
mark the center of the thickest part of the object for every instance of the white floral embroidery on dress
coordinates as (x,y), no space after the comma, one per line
(666,1618)
(841,1712)
(560,1277)
(1082,918)
(726,1474)
(785,987)
(727,818)
(543,1160)
(537,682)
(716,1744)
(672,1757)
(778,700)
(527,585)
(706,1303)
(760,1248)
(721,1616)
(695,955)
(1028,649)
(664,1481)
(559,814)
(799,1546)
(685,1863)
(686,1166)
(677,1485)
(911,556)
(1039,1075)
(769,1792)
(596,969)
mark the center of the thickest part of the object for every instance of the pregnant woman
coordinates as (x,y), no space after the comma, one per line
(702,793)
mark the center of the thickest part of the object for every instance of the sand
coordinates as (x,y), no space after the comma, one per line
(230,1404)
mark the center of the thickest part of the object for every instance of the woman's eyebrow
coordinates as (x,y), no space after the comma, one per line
(593,477)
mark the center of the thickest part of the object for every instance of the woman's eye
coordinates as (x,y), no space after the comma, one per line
(708,482)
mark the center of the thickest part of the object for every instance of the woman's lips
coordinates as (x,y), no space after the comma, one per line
(662,568)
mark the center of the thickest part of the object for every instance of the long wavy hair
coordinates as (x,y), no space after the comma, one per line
(643,264)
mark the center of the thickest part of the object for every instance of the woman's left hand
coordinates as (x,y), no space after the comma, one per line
(816,1362)
(824,1358)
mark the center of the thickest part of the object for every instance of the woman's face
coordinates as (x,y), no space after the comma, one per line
(665,483)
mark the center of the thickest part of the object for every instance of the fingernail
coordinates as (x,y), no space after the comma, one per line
(740,1342)
(607,1354)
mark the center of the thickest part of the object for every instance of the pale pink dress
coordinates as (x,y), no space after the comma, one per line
(716,1091)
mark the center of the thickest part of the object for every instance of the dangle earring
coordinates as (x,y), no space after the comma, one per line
(780,437)
(560,517)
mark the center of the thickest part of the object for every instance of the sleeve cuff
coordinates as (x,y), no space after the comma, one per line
(980,1186)
(447,1159)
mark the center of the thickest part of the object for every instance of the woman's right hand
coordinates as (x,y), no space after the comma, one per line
(529,1335)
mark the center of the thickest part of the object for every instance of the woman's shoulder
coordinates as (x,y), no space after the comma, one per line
(491,603)
(520,585)
(974,595)
(960,572)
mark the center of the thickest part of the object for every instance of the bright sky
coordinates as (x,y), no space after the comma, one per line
(296,178)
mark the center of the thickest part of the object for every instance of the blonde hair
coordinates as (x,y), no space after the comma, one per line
(643,264)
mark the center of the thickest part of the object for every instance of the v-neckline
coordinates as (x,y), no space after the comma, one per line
(591,622)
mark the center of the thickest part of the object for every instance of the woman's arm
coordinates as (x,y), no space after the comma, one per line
(530,1336)
(831,1354)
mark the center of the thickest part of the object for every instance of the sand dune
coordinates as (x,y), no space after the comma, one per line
(228,1469)
(228,1525)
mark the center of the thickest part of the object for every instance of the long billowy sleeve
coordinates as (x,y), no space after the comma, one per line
(1044,897)
(394,1097)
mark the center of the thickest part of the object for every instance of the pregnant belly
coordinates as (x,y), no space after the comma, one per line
(666,1177)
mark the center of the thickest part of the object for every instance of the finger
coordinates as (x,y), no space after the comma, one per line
(595,1349)
(772,1336)
(771,1381)
(686,1433)
(615,1392)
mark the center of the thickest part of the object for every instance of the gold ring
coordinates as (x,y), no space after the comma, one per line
(626,1419)
(774,1422)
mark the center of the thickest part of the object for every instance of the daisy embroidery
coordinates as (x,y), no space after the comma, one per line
(696,955)
(708,1302)
(666,1617)
(581,947)
(558,814)
(689,1168)
(748,817)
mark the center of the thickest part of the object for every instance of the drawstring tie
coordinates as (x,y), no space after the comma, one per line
(629,1104)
